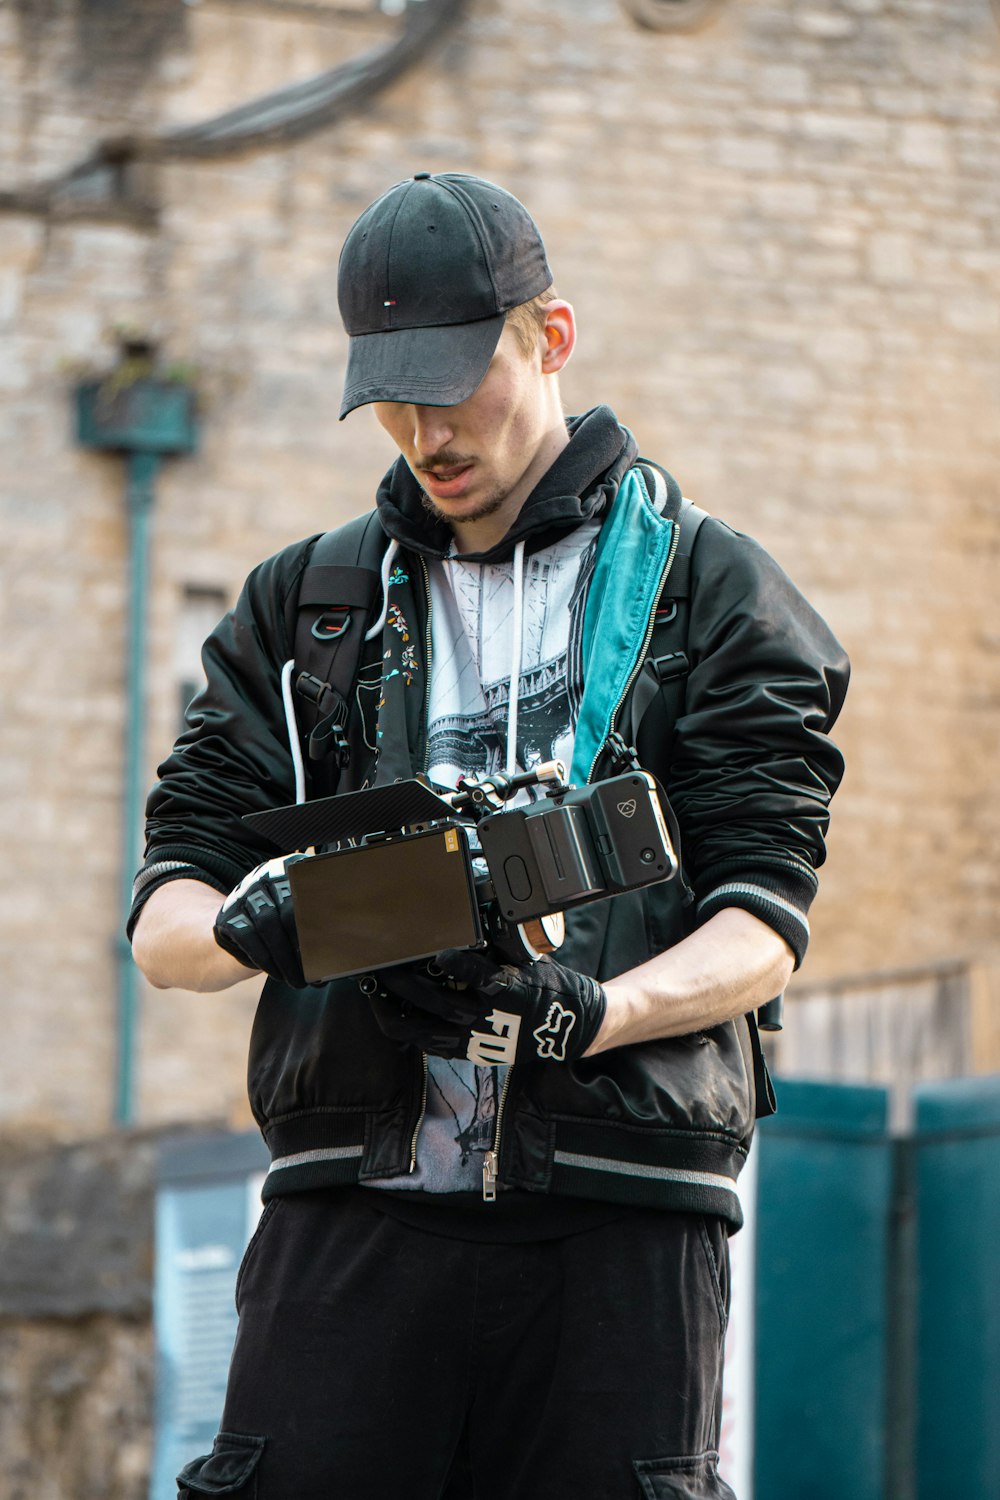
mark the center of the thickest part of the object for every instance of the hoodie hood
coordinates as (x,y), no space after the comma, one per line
(579,485)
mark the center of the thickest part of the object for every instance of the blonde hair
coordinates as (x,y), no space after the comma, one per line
(528,320)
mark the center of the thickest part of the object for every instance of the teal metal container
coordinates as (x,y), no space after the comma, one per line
(878,1295)
(822,1314)
(957,1189)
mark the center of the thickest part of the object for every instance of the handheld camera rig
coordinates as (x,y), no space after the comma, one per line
(394,873)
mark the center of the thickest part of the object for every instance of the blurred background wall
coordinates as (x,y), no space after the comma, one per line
(781,232)
(782,236)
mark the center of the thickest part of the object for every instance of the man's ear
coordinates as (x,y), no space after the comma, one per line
(559,334)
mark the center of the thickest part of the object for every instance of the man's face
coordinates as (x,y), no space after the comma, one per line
(474,459)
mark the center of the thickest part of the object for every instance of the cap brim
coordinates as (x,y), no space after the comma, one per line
(437,366)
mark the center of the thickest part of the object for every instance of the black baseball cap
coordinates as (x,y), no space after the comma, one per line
(427,276)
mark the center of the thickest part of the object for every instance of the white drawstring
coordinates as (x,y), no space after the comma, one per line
(517,574)
(390,553)
(293,730)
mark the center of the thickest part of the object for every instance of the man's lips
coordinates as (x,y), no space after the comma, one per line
(446,482)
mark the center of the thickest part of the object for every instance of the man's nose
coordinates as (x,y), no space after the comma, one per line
(432,429)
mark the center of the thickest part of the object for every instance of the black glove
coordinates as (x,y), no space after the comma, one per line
(466,1005)
(256,923)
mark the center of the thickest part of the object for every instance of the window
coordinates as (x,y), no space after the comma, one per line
(200,611)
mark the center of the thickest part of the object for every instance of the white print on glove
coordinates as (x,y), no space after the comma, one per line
(274,870)
(553,1034)
(491,1048)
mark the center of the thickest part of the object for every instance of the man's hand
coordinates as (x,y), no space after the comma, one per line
(256,923)
(469,1006)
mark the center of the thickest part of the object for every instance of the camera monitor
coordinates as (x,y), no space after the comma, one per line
(385,902)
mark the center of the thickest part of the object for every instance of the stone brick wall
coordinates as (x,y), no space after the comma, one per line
(76,1341)
(780,233)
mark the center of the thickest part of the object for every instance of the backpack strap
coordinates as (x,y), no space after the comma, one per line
(337,592)
(664,671)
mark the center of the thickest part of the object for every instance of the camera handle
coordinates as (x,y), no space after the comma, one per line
(770,1016)
(478,798)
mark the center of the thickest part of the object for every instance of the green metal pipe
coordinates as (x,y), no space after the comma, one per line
(141,470)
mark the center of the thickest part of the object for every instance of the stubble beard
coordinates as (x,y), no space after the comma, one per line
(488,506)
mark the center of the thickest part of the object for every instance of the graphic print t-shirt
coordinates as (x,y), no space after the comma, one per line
(472,610)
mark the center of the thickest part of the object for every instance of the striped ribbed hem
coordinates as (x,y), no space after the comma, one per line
(326,1148)
(782,900)
(613,1181)
(647,1169)
(326,1166)
(591,1159)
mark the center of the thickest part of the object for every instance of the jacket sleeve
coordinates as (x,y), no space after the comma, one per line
(753,768)
(233,756)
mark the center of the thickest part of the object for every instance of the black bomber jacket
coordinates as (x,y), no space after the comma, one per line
(751,772)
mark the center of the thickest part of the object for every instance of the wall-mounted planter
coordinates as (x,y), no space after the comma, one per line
(145,416)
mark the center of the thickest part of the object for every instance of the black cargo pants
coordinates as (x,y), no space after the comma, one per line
(376,1361)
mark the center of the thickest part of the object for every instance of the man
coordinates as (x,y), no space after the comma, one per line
(514,1276)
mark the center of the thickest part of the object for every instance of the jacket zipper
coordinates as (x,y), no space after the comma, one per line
(426,750)
(491,1161)
(637,668)
(420,1117)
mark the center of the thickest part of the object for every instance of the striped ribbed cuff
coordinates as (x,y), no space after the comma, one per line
(782,900)
(160,868)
